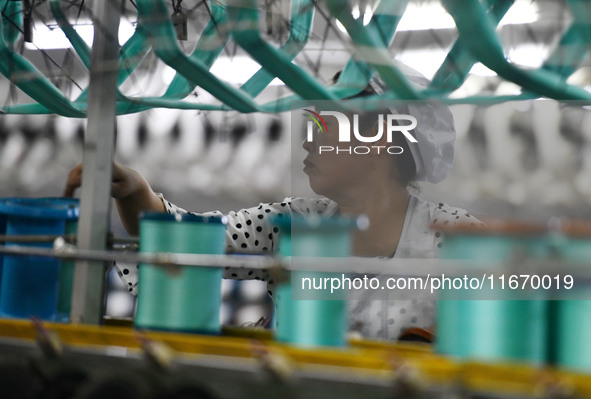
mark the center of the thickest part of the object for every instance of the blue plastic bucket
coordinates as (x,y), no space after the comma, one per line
(185,299)
(312,322)
(2,232)
(30,283)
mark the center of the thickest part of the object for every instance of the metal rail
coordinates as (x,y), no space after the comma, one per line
(70,238)
(392,266)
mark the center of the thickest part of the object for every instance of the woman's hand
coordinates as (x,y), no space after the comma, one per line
(131,191)
(125,181)
(74,181)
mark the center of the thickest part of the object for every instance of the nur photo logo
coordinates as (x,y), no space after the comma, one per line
(349,133)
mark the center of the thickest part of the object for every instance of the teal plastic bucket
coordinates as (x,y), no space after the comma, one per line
(312,322)
(493,329)
(183,299)
(572,313)
(30,283)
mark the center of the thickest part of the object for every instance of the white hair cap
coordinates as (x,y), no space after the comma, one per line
(433,152)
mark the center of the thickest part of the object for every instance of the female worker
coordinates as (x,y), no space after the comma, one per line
(376,184)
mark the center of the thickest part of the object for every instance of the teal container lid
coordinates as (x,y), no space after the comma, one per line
(41,208)
(185,217)
(338,222)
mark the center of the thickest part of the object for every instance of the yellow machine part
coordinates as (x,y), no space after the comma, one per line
(380,359)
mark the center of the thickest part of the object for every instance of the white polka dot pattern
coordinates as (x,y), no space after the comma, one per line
(445,215)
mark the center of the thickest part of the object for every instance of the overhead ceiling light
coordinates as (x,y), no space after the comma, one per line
(479,69)
(521,12)
(507,88)
(341,26)
(368,14)
(47,37)
(238,69)
(528,55)
(167,74)
(432,15)
(525,55)
(424,17)
(356,13)
(425,61)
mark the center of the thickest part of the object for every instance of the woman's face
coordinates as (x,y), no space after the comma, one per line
(331,166)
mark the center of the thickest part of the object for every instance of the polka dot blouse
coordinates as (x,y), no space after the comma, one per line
(249,232)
